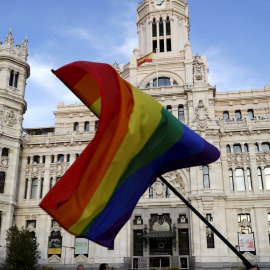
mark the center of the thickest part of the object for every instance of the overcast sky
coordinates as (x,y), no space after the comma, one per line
(234,35)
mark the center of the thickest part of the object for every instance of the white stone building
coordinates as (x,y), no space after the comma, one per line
(233,193)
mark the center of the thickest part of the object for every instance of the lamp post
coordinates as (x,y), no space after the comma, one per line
(65,254)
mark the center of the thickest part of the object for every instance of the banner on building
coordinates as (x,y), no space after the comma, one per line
(81,246)
(246,242)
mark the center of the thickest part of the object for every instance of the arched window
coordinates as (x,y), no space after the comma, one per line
(246,147)
(250,114)
(226,116)
(256,147)
(228,149)
(181,113)
(161,29)
(162,82)
(2,182)
(238,115)
(76,127)
(231,179)
(267,177)
(265,146)
(237,148)
(86,126)
(11,78)
(249,179)
(168,26)
(16,80)
(169,108)
(259,171)
(206,179)
(240,179)
(154,29)
(34,188)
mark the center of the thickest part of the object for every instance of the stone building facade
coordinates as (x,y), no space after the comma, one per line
(233,193)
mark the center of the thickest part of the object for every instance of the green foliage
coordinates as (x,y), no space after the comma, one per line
(21,250)
(47,268)
(173,268)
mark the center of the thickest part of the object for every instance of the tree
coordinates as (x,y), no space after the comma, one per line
(21,250)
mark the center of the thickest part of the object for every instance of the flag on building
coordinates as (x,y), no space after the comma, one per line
(146,58)
(136,140)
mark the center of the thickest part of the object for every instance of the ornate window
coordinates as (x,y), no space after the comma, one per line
(249,180)
(159,190)
(54,243)
(238,115)
(237,148)
(228,149)
(5,152)
(265,146)
(76,127)
(206,179)
(34,188)
(16,80)
(2,181)
(267,177)
(259,170)
(250,114)
(181,113)
(244,223)
(240,179)
(13,78)
(231,179)
(226,116)
(169,108)
(86,126)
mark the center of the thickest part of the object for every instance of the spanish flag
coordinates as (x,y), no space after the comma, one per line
(146,58)
(136,140)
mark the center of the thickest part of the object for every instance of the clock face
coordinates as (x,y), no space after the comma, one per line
(160,4)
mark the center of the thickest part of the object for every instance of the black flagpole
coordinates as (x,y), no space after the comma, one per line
(245,261)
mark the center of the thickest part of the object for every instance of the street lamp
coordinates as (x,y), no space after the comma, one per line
(65,254)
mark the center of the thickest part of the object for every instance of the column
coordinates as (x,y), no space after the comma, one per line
(253,168)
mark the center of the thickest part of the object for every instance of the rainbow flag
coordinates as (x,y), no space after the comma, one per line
(136,140)
(146,58)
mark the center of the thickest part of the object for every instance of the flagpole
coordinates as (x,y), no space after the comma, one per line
(245,261)
(156,67)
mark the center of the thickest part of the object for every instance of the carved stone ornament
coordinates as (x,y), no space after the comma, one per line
(54,259)
(160,219)
(244,223)
(198,68)
(177,182)
(81,259)
(201,115)
(159,190)
(56,228)
(10,118)
(4,162)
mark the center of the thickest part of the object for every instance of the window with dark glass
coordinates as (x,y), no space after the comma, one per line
(181,113)
(51,182)
(226,116)
(11,78)
(175,83)
(138,243)
(96,124)
(32,223)
(154,44)
(161,29)
(161,45)
(36,159)
(210,238)
(231,179)
(28,160)
(206,179)
(26,189)
(265,146)
(267,177)
(60,158)
(238,115)
(250,114)
(52,159)
(259,171)
(68,157)
(246,147)
(183,240)
(16,80)
(256,147)
(2,181)
(41,188)
(168,26)
(169,44)
(228,149)
(249,179)
(43,159)
(237,148)
(76,127)
(34,188)
(169,108)
(154,28)
(86,126)
(5,152)
(240,179)
(162,81)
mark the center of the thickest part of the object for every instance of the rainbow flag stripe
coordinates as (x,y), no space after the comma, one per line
(136,140)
